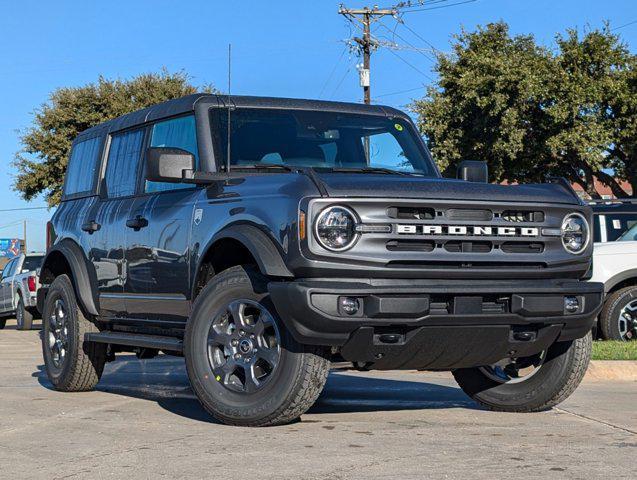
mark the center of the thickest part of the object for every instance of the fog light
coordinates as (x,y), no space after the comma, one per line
(349,305)
(571,304)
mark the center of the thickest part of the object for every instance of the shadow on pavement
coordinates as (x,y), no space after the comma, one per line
(163,380)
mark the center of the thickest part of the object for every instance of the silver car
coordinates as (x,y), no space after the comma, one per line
(18,290)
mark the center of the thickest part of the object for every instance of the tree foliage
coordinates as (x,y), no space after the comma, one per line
(41,163)
(530,111)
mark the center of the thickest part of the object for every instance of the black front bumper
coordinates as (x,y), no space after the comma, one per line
(436,324)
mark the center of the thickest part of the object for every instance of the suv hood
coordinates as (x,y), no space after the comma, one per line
(398,186)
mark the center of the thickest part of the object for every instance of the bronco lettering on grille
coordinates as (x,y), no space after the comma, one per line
(468,230)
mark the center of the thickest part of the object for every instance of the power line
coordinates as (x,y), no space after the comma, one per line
(438,7)
(407,42)
(338,62)
(624,25)
(17,222)
(399,92)
(411,65)
(417,35)
(21,209)
(340,82)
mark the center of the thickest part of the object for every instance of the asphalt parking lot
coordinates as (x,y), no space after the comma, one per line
(144,422)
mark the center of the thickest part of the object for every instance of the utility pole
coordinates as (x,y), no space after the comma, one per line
(366,44)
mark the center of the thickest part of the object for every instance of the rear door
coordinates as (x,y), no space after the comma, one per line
(110,213)
(158,240)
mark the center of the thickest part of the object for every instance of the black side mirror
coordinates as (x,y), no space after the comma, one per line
(473,171)
(167,164)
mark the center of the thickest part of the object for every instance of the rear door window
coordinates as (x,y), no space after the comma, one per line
(122,165)
(177,133)
(32,263)
(83,166)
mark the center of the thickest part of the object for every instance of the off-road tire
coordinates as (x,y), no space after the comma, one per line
(23,317)
(296,383)
(84,361)
(608,319)
(557,378)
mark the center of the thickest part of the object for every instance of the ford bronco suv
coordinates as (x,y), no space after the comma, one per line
(264,238)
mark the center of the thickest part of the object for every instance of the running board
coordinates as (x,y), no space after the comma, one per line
(170,344)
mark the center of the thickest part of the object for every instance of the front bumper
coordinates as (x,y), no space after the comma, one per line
(435,324)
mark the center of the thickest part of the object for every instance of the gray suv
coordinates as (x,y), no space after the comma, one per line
(263,238)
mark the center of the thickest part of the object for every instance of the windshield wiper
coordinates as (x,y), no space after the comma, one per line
(263,166)
(388,171)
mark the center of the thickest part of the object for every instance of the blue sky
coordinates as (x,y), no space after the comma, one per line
(280,48)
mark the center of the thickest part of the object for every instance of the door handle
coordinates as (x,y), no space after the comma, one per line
(137,223)
(91,226)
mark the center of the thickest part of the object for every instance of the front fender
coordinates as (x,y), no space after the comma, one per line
(263,249)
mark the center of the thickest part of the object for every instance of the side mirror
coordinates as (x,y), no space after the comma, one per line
(473,171)
(167,164)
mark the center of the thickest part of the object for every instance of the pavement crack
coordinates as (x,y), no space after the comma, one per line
(601,422)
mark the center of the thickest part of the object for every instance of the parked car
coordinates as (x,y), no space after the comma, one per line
(18,290)
(615,265)
(263,238)
(612,218)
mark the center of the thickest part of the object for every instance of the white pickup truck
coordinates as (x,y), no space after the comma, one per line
(18,290)
(615,265)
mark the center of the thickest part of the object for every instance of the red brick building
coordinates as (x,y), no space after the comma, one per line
(605,192)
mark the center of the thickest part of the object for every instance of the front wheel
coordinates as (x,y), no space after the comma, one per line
(531,384)
(23,317)
(618,320)
(244,366)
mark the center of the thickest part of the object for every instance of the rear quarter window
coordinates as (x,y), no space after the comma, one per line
(82,168)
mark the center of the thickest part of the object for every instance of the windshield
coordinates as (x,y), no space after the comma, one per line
(629,236)
(322,140)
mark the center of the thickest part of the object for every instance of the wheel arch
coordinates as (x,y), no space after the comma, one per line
(67,257)
(235,245)
(621,280)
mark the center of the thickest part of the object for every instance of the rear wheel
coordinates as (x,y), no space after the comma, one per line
(618,320)
(23,317)
(530,384)
(3,323)
(72,364)
(244,366)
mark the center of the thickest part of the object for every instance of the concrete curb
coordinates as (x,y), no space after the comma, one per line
(617,370)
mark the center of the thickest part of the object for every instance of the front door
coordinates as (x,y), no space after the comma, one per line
(157,248)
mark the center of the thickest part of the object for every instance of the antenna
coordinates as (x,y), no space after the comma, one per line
(229,106)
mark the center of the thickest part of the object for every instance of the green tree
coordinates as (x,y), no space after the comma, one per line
(531,112)
(41,163)
(488,104)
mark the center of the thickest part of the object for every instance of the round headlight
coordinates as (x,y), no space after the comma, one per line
(575,233)
(335,228)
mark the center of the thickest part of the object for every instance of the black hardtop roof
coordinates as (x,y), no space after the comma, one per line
(187,104)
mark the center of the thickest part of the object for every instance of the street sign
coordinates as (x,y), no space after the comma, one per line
(10,247)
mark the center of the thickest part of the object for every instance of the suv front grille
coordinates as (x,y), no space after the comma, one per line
(457,236)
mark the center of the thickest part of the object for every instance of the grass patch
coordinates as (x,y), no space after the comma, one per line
(612,350)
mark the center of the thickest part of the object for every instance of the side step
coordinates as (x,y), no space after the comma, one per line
(158,342)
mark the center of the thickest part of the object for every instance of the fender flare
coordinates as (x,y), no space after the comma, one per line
(613,281)
(263,249)
(84,283)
